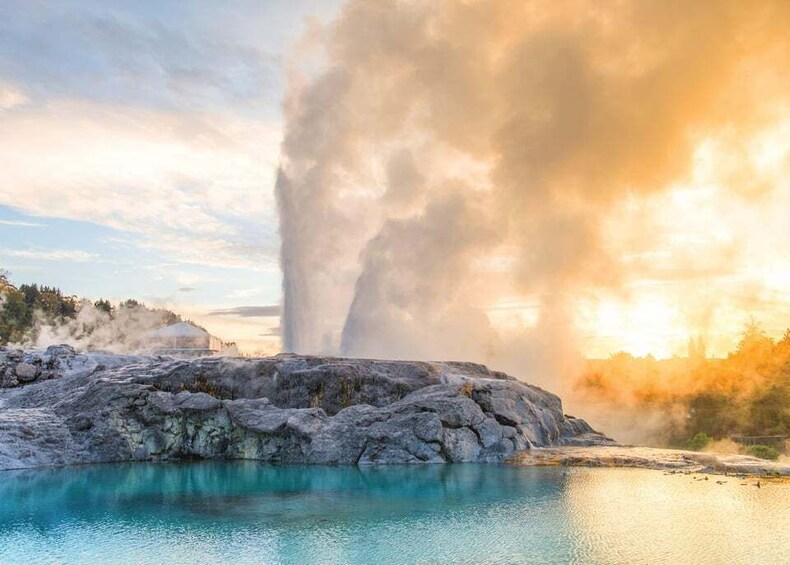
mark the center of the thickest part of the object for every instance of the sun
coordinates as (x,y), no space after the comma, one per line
(642,325)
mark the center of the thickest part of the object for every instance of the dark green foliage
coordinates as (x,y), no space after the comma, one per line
(713,414)
(16,317)
(763,452)
(699,441)
(49,300)
(23,310)
(769,410)
(22,306)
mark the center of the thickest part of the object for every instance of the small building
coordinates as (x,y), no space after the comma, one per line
(183,340)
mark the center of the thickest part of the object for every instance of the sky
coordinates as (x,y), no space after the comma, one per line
(138,148)
(620,175)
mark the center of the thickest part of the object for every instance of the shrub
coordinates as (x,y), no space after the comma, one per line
(467,389)
(763,452)
(699,441)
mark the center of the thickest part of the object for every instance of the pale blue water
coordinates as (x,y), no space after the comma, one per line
(243,512)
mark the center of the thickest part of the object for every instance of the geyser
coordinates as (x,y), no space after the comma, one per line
(452,157)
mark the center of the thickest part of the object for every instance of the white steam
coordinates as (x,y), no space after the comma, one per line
(124,331)
(456,156)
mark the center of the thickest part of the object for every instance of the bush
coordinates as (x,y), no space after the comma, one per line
(699,441)
(713,413)
(763,452)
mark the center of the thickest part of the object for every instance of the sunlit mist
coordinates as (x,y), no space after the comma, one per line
(516,183)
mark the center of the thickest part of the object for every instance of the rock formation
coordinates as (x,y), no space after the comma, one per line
(58,407)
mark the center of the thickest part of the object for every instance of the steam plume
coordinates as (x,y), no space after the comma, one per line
(453,156)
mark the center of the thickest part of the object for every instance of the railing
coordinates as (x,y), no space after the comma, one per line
(759,440)
(183,352)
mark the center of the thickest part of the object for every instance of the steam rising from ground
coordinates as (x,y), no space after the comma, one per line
(125,331)
(454,181)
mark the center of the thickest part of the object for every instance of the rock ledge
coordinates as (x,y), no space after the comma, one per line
(66,408)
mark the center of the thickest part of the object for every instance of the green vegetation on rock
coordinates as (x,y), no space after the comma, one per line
(763,452)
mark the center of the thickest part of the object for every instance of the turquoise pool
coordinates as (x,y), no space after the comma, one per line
(243,512)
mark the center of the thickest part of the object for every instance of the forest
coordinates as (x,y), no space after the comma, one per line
(33,313)
(699,400)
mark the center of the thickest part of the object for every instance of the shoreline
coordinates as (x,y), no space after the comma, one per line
(670,461)
(659,459)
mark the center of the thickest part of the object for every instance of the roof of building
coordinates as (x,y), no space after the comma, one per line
(181,329)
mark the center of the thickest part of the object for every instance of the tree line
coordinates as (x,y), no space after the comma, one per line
(746,393)
(28,307)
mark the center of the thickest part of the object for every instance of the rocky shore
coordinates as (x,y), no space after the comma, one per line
(58,407)
(670,460)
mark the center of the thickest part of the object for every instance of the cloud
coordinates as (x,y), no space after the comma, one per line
(140,56)
(192,186)
(249,311)
(157,120)
(245,293)
(187,289)
(21,224)
(73,255)
(11,97)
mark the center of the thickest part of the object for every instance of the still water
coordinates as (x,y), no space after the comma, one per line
(244,512)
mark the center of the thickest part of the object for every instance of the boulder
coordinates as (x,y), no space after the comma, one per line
(8,378)
(26,372)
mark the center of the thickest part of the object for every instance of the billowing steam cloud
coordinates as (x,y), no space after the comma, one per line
(125,331)
(456,157)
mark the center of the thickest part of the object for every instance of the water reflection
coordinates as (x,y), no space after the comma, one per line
(646,516)
(246,490)
(247,512)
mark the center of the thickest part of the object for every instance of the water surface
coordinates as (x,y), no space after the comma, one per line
(245,512)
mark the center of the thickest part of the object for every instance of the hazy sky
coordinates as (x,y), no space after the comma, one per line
(138,142)
(493,153)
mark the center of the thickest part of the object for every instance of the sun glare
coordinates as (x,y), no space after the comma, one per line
(645,325)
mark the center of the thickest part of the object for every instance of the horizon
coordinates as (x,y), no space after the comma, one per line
(685,355)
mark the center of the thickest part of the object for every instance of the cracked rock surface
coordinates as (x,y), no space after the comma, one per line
(66,408)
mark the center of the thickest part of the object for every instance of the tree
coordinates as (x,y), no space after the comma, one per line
(31,293)
(103,305)
(4,279)
(754,344)
(712,414)
(16,317)
(754,355)
(769,411)
(782,349)
(23,309)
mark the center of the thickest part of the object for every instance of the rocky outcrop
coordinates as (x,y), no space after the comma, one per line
(71,408)
(18,367)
